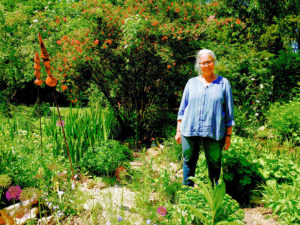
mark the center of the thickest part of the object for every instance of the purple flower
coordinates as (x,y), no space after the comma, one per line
(13,192)
(60,124)
(120,219)
(161,210)
(148,221)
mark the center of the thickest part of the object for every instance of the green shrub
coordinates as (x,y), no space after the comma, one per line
(105,158)
(246,166)
(42,109)
(228,210)
(283,199)
(241,173)
(285,120)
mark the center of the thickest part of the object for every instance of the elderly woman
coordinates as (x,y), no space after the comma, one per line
(205,118)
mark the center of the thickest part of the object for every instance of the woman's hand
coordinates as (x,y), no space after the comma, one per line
(178,137)
(227,142)
(178,132)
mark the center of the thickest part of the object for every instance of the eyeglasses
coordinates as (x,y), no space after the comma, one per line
(207,63)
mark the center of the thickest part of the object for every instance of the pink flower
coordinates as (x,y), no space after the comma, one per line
(60,124)
(161,210)
(13,192)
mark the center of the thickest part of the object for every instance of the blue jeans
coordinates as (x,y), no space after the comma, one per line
(213,154)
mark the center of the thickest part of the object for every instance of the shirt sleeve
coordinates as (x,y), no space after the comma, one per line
(184,101)
(229,118)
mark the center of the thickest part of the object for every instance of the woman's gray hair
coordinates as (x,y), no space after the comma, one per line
(202,53)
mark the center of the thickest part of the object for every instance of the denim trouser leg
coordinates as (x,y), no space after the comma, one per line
(213,154)
(191,148)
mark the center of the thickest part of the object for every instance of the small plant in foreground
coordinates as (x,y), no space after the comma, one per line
(210,204)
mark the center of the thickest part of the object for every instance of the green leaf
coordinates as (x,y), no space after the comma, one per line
(207,191)
(219,194)
(197,213)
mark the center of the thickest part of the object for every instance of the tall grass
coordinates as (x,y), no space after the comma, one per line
(83,128)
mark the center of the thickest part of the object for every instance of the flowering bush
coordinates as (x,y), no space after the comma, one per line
(138,53)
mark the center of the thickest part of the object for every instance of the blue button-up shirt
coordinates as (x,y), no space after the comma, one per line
(206,111)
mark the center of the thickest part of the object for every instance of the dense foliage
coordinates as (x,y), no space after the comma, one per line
(141,53)
(284,119)
(249,164)
(104,158)
(228,210)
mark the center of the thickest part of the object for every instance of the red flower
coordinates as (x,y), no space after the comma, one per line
(64,87)
(96,42)
(169,66)
(58,42)
(154,24)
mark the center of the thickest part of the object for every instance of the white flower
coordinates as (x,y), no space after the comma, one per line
(35,21)
(256,114)
(257,101)
(49,204)
(252,78)
(261,86)
(60,193)
(60,214)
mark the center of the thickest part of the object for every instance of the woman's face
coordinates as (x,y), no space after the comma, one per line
(206,64)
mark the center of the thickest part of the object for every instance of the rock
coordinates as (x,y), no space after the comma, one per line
(32,214)
(46,220)
(179,173)
(136,165)
(174,167)
(5,218)
(255,216)
(154,197)
(101,185)
(19,213)
(121,173)
(153,151)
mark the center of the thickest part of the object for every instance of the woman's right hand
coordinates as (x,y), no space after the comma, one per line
(178,137)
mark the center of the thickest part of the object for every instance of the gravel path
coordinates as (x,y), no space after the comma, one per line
(259,216)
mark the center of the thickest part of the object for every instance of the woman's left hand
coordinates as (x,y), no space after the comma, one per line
(227,142)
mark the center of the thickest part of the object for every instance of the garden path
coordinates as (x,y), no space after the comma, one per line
(120,200)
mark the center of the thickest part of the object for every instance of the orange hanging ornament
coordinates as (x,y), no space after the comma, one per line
(50,80)
(37,69)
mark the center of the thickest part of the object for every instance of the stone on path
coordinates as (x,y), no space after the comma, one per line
(257,216)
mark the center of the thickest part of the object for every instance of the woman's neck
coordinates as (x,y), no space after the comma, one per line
(209,77)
